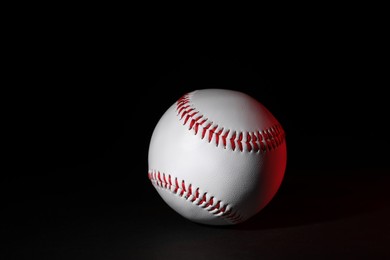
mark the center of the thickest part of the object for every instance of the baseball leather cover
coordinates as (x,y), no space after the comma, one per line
(217,156)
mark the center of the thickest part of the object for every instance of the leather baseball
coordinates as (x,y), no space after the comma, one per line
(217,156)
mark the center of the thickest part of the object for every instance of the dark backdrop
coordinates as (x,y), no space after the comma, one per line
(77,187)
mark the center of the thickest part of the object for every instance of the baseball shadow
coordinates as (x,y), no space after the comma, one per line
(316,198)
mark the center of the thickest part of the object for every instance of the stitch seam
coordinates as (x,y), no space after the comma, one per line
(258,141)
(194,195)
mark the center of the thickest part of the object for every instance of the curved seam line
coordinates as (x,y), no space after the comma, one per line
(191,194)
(257,141)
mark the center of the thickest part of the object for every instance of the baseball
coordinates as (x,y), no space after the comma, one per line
(217,156)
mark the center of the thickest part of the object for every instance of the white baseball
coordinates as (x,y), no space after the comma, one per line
(217,156)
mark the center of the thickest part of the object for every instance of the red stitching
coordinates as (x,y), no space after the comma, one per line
(183,188)
(224,138)
(176,186)
(257,141)
(248,142)
(218,135)
(215,207)
(202,200)
(211,132)
(239,142)
(254,140)
(212,205)
(205,130)
(189,191)
(196,195)
(232,142)
(165,181)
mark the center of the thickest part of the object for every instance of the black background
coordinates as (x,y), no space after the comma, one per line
(77,187)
